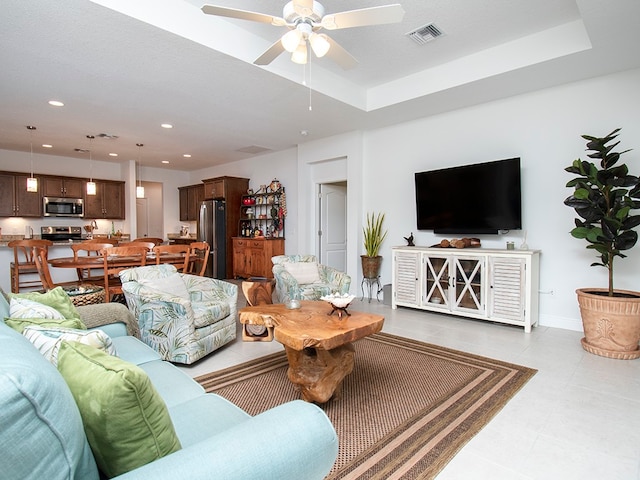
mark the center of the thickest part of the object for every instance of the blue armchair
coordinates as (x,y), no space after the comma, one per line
(182,317)
(303,278)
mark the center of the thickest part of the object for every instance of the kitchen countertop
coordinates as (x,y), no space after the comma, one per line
(5,239)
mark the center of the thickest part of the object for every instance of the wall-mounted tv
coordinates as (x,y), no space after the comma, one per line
(479,198)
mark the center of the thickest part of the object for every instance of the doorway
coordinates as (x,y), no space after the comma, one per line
(149,220)
(332,231)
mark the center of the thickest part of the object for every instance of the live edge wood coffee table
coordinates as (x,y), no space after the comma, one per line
(318,344)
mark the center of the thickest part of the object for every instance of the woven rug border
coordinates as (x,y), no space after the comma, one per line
(420,447)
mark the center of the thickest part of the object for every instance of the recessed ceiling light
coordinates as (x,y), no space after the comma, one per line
(46,145)
(113,154)
(166,125)
(187,155)
(56,103)
(165,161)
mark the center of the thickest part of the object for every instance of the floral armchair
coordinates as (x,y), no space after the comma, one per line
(303,278)
(183,317)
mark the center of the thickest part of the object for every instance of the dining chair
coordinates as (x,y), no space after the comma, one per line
(176,255)
(154,240)
(40,258)
(24,264)
(117,259)
(91,248)
(198,258)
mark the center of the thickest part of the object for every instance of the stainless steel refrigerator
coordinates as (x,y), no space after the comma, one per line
(211,229)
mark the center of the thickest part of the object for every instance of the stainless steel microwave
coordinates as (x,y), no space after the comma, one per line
(62,207)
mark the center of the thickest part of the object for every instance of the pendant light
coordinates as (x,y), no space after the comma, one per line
(91,185)
(32,182)
(139,188)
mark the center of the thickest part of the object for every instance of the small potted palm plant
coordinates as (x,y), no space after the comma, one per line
(604,198)
(374,235)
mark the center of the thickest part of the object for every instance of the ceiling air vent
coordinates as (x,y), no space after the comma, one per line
(424,34)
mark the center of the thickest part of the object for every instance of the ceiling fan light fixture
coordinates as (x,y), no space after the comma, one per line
(319,44)
(291,40)
(300,54)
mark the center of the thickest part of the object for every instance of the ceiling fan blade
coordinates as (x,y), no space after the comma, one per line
(242,15)
(340,55)
(304,8)
(363,17)
(270,54)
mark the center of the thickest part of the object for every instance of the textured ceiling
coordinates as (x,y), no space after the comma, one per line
(124,74)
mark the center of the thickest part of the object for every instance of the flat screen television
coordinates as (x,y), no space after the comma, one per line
(483,198)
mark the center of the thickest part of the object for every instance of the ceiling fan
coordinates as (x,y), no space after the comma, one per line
(305,18)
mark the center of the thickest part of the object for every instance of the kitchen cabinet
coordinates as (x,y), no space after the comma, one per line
(252,256)
(190,198)
(108,202)
(15,201)
(496,285)
(62,187)
(229,189)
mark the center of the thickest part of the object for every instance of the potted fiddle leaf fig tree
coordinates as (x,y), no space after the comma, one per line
(604,199)
(374,235)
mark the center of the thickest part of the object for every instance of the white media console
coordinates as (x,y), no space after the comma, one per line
(495,285)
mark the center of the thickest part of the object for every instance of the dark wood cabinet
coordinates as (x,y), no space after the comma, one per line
(229,189)
(63,187)
(108,202)
(252,256)
(190,198)
(15,201)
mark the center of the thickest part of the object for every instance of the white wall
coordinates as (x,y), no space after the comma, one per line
(543,128)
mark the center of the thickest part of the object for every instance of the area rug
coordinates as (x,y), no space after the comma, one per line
(406,409)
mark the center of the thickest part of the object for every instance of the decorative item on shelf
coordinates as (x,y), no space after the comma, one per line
(262,189)
(604,197)
(250,191)
(250,212)
(409,240)
(275,185)
(339,303)
(184,230)
(458,243)
(248,201)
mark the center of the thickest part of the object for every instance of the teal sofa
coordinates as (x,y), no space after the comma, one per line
(42,434)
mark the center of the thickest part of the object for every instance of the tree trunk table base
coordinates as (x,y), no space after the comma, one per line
(257,292)
(318,345)
(317,373)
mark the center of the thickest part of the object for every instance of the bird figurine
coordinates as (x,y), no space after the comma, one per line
(409,240)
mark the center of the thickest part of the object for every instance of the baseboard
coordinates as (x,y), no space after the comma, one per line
(566,323)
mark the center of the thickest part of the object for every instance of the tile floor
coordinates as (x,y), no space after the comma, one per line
(577,418)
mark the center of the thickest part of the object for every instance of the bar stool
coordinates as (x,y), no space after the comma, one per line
(24,265)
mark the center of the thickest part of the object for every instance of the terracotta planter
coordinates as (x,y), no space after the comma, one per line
(371,266)
(611,324)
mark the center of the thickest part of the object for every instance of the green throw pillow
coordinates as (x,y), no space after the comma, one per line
(126,421)
(19,324)
(56,298)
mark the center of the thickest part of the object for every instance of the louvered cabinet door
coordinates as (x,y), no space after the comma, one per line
(406,285)
(507,294)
